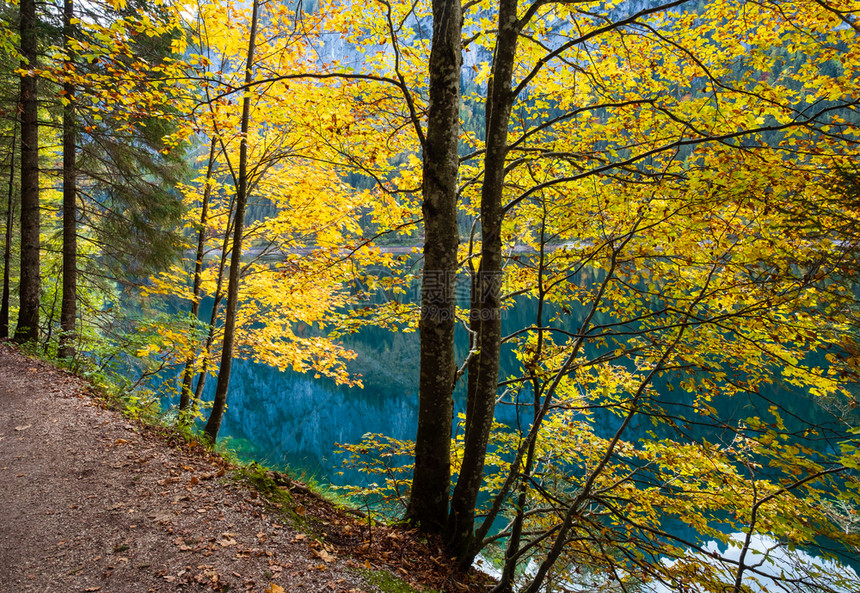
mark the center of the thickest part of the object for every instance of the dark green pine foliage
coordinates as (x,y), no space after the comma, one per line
(129,174)
(125,174)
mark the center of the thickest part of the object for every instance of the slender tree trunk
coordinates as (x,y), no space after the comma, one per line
(219,404)
(512,552)
(431,480)
(486,292)
(28,314)
(7,244)
(68,310)
(216,304)
(210,336)
(188,373)
(49,322)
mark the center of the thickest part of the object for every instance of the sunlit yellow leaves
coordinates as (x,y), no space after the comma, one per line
(661,178)
(305,137)
(660,188)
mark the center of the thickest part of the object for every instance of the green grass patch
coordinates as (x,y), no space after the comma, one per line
(386,582)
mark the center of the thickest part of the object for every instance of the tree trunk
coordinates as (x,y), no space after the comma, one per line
(431,480)
(28,314)
(210,336)
(213,318)
(219,404)
(188,373)
(7,243)
(68,310)
(485,315)
(512,551)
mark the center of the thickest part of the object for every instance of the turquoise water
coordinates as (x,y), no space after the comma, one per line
(289,419)
(293,420)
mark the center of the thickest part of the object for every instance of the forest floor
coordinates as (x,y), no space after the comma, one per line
(91,501)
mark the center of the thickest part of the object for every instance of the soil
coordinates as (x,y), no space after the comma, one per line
(91,501)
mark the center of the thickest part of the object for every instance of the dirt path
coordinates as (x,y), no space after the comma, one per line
(91,502)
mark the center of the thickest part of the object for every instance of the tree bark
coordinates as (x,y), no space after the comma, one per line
(213,318)
(29,287)
(7,243)
(219,404)
(68,309)
(512,551)
(431,480)
(485,314)
(188,373)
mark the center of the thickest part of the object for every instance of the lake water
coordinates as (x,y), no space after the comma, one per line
(288,419)
(292,420)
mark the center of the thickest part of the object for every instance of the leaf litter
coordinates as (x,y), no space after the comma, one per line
(129,508)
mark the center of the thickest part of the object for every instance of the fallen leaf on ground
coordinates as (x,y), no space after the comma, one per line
(323,555)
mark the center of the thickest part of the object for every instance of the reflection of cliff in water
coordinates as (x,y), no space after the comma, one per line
(288,418)
(292,419)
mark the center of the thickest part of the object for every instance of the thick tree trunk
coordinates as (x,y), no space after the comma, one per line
(213,425)
(486,292)
(431,480)
(7,243)
(68,310)
(29,287)
(188,374)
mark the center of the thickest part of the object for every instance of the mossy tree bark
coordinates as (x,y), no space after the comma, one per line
(485,312)
(29,287)
(431,482)
(68,311)
(7,242)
